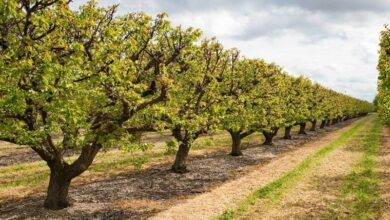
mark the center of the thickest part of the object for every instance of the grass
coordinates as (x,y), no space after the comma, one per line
(275,190)
(360,193)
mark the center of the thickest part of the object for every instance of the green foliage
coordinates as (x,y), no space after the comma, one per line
(383,97)
(170,147)
(138,162)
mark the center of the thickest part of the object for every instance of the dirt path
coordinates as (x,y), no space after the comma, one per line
(223,198)
(384,171)
(312,197)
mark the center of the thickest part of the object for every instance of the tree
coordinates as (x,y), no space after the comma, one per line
(384,77)
(273,105)
(242,100)
(86,77)
(297,101)
(193,104)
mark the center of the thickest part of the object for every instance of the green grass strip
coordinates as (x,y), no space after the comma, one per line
(360,194)
(275,189)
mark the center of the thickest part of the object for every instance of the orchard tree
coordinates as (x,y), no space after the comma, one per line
(192,108)
(384,77)
(316,110)
(242,100)
(303,89)
(81,80)
(274,105)
(292,107)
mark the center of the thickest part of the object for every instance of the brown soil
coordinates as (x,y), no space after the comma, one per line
(385,174)
(11,154)
(214,203)
(144,193)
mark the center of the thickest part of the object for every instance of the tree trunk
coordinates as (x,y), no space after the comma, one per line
(287,132)
(236,143)
(313,125)
(323,123)
(269,136)
(179,166)
(57,192)
(302,127)
(328,123)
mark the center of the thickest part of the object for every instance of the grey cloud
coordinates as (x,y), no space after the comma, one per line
(338,5)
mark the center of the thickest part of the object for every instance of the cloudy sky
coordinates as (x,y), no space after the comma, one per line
(333,42)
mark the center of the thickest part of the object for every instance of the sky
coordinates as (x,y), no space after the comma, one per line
(333,42)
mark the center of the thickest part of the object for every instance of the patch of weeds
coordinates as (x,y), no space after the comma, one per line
(170,147)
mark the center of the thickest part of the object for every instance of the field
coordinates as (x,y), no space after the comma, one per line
(337,172)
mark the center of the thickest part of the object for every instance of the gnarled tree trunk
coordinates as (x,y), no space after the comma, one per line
(179,166)
(313,125)
(236,143)
(57,192)
(323,123)
(287,132)
(302,127)
(237,136)
(61,175)
(269,135)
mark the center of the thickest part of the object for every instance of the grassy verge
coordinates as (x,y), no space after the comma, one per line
(275,190)
(359,198)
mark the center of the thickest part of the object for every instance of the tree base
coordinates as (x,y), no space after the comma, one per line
(236,154)
(179,169)
(267,143)
(287,137)
(56,205)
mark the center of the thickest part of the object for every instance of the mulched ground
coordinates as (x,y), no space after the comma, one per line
(12,154)
(141,194)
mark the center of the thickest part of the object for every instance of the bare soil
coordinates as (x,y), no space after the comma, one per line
(11,154)
(384,172)
(144,193)
(226,197)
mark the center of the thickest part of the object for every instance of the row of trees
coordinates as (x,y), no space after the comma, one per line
(86,80)
(383,98)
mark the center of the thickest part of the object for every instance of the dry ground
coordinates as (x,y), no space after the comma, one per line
(214,203)
(385,174)
(146,192)
(313,196)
